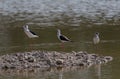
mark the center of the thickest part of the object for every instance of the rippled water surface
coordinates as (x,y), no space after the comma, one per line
(78,20)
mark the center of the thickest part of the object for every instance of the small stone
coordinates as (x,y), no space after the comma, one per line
(81,64)
(109,58)
(5,67)
(59,61)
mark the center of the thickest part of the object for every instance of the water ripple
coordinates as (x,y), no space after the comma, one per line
(69,12)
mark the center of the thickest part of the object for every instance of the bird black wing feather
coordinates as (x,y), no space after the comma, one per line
(33,33)
(64,38)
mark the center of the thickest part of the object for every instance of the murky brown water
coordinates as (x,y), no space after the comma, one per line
(13,39)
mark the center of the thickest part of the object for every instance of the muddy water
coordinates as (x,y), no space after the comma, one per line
(76,22)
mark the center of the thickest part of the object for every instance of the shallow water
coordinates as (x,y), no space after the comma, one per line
(77,22)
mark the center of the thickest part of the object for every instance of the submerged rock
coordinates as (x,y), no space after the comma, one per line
(40,59)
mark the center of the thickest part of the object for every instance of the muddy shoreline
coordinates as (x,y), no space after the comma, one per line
(42,59)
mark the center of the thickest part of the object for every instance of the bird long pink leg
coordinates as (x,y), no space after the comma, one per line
(62,45)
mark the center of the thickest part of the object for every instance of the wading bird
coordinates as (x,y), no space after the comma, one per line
(61,37)
(28,32)
(96,38)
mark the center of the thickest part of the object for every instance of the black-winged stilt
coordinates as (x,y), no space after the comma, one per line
(28,32)
(96,38)
(61,37)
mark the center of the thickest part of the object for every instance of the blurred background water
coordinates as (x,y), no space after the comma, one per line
(78,20)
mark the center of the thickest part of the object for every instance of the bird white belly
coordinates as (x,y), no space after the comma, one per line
(96,40)
(30,35)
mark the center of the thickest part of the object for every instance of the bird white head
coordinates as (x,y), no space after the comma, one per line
(26,27)
(96,33)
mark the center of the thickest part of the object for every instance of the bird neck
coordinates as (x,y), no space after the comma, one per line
(26,27)
(97,36)
(59,33)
